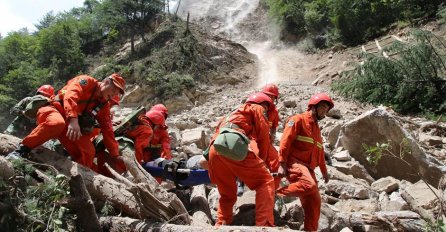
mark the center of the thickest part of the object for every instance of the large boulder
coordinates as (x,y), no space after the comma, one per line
(379,126)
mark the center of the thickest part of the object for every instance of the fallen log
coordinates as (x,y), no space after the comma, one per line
(115,224)
(201,212)
(83,205)
(133,201)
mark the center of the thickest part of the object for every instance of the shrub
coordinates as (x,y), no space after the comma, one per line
(413,81)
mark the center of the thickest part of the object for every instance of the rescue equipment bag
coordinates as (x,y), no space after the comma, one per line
(34,105)
(232,144)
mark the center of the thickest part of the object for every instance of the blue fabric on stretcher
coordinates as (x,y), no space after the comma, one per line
(195,177)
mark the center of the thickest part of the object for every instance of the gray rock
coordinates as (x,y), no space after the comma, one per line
(291,103)
(192,150)
(213,198)
(334,113)
(355,169)
(352,205)
(342,156)
(175,137)
(386,184)
(348,190)
(378,126)
(333,136)
(196,135)
(430,140)
(423,196)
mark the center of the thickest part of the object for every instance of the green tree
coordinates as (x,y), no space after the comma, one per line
(59,49)
(130,17)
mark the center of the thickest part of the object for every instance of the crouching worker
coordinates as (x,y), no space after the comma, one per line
(142,134)
(246,134)
(71,117)
(22,125)
(301,151)
(160,144)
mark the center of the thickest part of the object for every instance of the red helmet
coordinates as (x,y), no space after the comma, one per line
(315,99)
(259,98)
(271,89)
(161,108)
(115,100)
(156,117)
(46,90)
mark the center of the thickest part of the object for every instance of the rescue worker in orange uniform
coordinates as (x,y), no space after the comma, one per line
(250,119)
(84,96)
(81,92)
(142,134)
(21,125)
(301,151)
(273,118)
(50,123)
(160,143)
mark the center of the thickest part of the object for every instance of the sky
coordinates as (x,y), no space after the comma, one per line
(17,14)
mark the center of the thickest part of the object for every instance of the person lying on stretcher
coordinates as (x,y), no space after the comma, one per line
(184,173)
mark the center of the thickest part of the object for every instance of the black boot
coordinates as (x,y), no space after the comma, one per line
(19,152)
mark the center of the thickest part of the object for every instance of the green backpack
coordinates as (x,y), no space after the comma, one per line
(34,105)
(232,144)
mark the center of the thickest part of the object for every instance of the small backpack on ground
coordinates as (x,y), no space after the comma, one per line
(232,144)
(34,105)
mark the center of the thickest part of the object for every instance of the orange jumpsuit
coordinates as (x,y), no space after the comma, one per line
(141,135)
(250,120)
(159,145)
(50,124)
(273,155)
(301,149)
(75,96)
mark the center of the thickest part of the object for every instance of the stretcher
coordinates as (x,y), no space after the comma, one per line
(183,177)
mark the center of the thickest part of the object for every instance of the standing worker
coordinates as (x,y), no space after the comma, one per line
(301,151)
(273,118)
(250,120)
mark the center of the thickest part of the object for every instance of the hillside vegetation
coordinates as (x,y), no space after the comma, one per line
(412,80)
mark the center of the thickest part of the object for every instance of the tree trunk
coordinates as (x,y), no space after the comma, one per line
(200,206)
(115,224)
(84,207)
(136,201)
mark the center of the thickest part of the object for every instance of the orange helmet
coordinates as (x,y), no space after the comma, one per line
(259,98)
(161,108)
(118,81)
(271,89)
(46,90)
(156,117)
(315,99)
(115,100)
